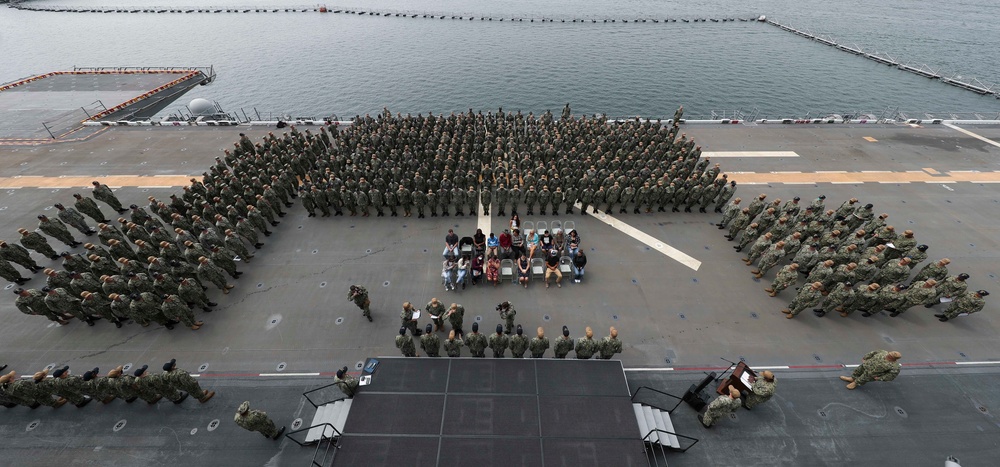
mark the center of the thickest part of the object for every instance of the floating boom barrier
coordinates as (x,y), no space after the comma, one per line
(977,86)
(374,12)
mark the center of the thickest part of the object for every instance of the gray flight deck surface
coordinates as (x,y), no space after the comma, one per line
(285,309)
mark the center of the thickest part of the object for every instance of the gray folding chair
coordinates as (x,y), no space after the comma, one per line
(537,268)
(507,269)
(566,265)
(526,226)
(568,226)
(542,226)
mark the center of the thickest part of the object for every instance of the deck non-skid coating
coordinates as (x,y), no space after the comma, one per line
(668,315)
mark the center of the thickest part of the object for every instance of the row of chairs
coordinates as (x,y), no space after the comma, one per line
(508,269)
(541,226)
(467,248)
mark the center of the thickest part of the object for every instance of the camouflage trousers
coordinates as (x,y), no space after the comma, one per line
(861,376)
(365,310)
(711,417)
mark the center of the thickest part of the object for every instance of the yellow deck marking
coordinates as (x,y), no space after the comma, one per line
(931,171)
(870,139)
(83,181)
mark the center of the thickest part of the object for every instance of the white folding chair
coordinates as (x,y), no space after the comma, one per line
(537,268)
(507,269)
(556,227)
(541,227)
(566,265)
(568,226)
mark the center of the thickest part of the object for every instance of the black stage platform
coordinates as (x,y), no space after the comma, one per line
(472,411)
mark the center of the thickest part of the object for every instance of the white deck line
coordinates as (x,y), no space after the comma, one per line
(484,222)
(981,138)
(648,240)
(749,154)
(288,374)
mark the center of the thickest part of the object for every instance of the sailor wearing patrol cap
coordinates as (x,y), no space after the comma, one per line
(256,420)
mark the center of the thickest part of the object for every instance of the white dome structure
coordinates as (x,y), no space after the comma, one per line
(201,106)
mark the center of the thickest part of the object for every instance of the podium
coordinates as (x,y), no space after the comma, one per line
(741,378)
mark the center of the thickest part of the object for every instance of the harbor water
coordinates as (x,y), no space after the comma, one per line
(316,64)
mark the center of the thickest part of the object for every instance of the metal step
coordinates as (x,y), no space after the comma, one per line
(335,414)
(314,434)
(664,423)
(644,425)
(341,419)
(647,412)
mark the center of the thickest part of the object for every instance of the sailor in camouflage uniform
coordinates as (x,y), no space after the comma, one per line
(786,277)
(57,230)
(539,344)
(877,365)
(17,254)
(476,342)
(518,343)
(405,343)
(359,295)
(761,390)
(70,387)
(347,383)
(453,345)
(36,242)
(969,303)
(807,297)
(499,342)
(430,342)
(564,344)
(610,345)
(256,420)
(723,405)
(89,207)
(182,380)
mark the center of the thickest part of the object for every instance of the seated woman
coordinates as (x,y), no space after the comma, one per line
(532,243)
(492,243)
(479,241)
(448,273)
(523,270)
(477,269)
(547,242)
(579,262)
(574,243)
(493,270)
(517,243)
(463,268)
